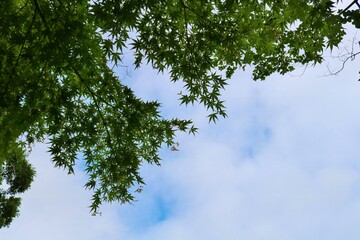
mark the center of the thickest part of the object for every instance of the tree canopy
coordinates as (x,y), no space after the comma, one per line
(56,83)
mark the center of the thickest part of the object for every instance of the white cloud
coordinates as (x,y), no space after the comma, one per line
(301,182)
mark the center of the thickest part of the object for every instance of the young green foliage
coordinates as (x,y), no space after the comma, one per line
(55,82)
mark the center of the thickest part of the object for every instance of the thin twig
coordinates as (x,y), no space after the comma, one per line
(196,13)
(97,106)
(351,57)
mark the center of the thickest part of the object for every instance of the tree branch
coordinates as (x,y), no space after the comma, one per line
(94,97)
(349,6)
(38,9)
(20,52)
(351,57)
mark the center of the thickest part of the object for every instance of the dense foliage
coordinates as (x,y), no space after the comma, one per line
(55,82)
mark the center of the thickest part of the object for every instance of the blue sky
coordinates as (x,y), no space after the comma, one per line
(283,165)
